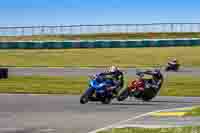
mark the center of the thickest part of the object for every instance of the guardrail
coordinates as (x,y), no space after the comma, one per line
(100,44)
(94,29)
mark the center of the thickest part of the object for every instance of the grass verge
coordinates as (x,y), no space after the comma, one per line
(159,130)
(43,85)
(174,86)
(123,57)
(181,86)
(101,36)
(194,112)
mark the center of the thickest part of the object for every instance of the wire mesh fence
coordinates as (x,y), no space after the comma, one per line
(95,29)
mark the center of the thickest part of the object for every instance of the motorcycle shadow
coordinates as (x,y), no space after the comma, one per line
(135,104)
(131,103)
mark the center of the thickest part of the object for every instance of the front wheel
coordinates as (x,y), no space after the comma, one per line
(85,97)
(123,95)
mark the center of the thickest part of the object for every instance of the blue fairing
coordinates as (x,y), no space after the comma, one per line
(97,85)
(100,87)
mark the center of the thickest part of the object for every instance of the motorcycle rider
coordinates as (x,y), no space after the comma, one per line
(157,78)
(174,61)
(116,76)
(137,86)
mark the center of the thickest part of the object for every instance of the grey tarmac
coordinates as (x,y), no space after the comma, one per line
(64,114)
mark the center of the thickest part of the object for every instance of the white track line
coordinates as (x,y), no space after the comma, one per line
(132,118)
(145,126)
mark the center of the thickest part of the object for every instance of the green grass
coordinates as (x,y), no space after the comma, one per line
(101,36)
(159,130)
(43,85)
(194,112)
(181,86)
(174,86)
(123,57)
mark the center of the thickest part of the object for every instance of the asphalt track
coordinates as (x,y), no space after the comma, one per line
(64,114)
(85,71)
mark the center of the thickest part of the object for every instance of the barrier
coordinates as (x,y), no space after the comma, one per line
(101,44)
(3,73)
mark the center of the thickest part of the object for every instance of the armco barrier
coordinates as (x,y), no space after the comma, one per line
(100,44)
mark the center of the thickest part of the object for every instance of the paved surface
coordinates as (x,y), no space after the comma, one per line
(64,114)
(86,72)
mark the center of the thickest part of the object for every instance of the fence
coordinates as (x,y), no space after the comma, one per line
(107,28)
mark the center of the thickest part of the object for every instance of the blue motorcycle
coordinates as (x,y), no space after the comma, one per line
(99,90)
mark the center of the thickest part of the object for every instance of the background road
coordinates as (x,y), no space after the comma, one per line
(85,71)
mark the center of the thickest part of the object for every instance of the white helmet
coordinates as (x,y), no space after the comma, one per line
(113,69)
(174,60)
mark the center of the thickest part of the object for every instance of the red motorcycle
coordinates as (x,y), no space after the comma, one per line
(142,89)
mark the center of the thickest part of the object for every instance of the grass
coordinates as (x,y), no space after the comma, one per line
(101,36)
(123,57)
(43,85)
(159,130)
(181,86)
(175,86)
(194,112)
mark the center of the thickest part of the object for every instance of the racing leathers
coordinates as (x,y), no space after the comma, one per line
(157,78)
(117,77)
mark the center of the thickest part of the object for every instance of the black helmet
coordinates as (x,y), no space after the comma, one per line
(157,71)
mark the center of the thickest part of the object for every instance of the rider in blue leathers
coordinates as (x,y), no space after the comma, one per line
(116,76)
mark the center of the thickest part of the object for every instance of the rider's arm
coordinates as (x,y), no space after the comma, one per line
(148,72)
(105,74)
(121,79)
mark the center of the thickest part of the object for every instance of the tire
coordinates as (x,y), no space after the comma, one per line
(123,95)
(85,97)
(106,100)
(149,94)
(147,99)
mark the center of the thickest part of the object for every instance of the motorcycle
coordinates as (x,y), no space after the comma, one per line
(99,90)
(148,93)
(172,67)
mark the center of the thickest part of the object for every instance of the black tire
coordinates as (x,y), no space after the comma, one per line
(124,94)
(147,99)
(149,94)
(85,97)
(106,100)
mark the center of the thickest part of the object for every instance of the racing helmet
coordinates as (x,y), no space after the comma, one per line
(157,71)
(174,60)
(113,69)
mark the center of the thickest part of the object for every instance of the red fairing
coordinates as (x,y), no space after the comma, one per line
(137,84)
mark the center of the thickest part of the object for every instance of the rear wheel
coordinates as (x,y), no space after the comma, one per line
(124,94)
(147,99)
(106,100)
